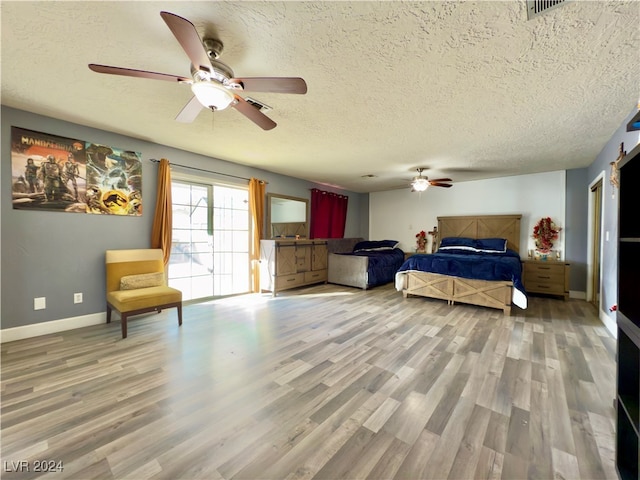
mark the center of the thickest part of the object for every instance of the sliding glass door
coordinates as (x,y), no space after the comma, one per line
(210,248)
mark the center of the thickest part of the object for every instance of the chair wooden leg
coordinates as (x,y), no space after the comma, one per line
(123,321)
(179,307)
(108,313)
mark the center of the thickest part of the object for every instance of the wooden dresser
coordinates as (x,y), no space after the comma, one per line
(550,277)
(289,263)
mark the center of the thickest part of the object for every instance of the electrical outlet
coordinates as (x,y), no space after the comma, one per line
(40,303)
(77,298)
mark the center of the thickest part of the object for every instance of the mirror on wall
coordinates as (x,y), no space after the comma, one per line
(287,217)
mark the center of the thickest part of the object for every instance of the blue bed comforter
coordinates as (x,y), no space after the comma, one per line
(479,266)
(383,265)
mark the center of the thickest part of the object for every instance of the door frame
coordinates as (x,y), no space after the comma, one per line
(590,240)
(213,181)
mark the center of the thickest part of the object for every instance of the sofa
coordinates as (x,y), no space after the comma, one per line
(343,270)
(362,269)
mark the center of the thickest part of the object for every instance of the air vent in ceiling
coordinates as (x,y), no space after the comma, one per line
(538,7)
(259,105)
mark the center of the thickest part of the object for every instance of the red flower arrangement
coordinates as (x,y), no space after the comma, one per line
(421,240)
(544,232)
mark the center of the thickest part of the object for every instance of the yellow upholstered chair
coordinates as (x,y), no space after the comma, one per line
(136,284)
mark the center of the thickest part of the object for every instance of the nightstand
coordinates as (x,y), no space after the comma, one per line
(546,276)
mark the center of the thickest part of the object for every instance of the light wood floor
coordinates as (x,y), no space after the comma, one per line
(324,382)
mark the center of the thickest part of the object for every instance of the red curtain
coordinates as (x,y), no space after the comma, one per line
(328,214)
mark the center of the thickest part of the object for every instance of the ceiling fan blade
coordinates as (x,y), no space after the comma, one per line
(130,72)
(445,185)
(272,84)
(187,35)
(441,180)
(253,114)
(190,111)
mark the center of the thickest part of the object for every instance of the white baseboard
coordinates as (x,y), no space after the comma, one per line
(609,323)
(577,294)
(44,328)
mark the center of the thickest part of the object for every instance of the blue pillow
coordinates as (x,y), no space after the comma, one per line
(375,245)
(458,242)
(491,245)
(458,245)
(470,245)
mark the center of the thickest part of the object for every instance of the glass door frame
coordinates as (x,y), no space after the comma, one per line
(210,182)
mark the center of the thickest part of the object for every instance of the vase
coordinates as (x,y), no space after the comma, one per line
(542,255)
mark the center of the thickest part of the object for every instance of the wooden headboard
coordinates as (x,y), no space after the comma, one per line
(482,226)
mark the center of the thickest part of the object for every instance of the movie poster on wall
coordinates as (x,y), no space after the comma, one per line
(114,181)
(47,172)
(57,173)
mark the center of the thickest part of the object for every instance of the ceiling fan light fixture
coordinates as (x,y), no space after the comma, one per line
(212,95)
(420,184)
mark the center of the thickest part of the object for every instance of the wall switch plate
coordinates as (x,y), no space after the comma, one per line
(77,298)
(40,303)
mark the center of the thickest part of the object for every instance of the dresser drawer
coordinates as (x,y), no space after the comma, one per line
(545,276)
(289,281)
(544,267)
(315,276)
(540,287)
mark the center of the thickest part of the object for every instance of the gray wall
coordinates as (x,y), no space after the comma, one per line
(577,217)
(55,254)
(610,210)
(576,227)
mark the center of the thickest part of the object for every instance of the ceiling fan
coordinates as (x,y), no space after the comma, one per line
(420,183)
(213,83)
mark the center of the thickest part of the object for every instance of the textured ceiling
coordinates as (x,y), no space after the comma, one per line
(469,90)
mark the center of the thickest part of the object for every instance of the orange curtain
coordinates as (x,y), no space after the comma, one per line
(256,208)
(161,232)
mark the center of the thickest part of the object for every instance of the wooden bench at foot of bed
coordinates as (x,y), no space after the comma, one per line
(486,293)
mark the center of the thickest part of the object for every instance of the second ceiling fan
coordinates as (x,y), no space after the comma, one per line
(213,83)
(420,183)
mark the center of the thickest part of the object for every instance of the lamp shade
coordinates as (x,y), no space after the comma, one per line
(420,184)
(212,95)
